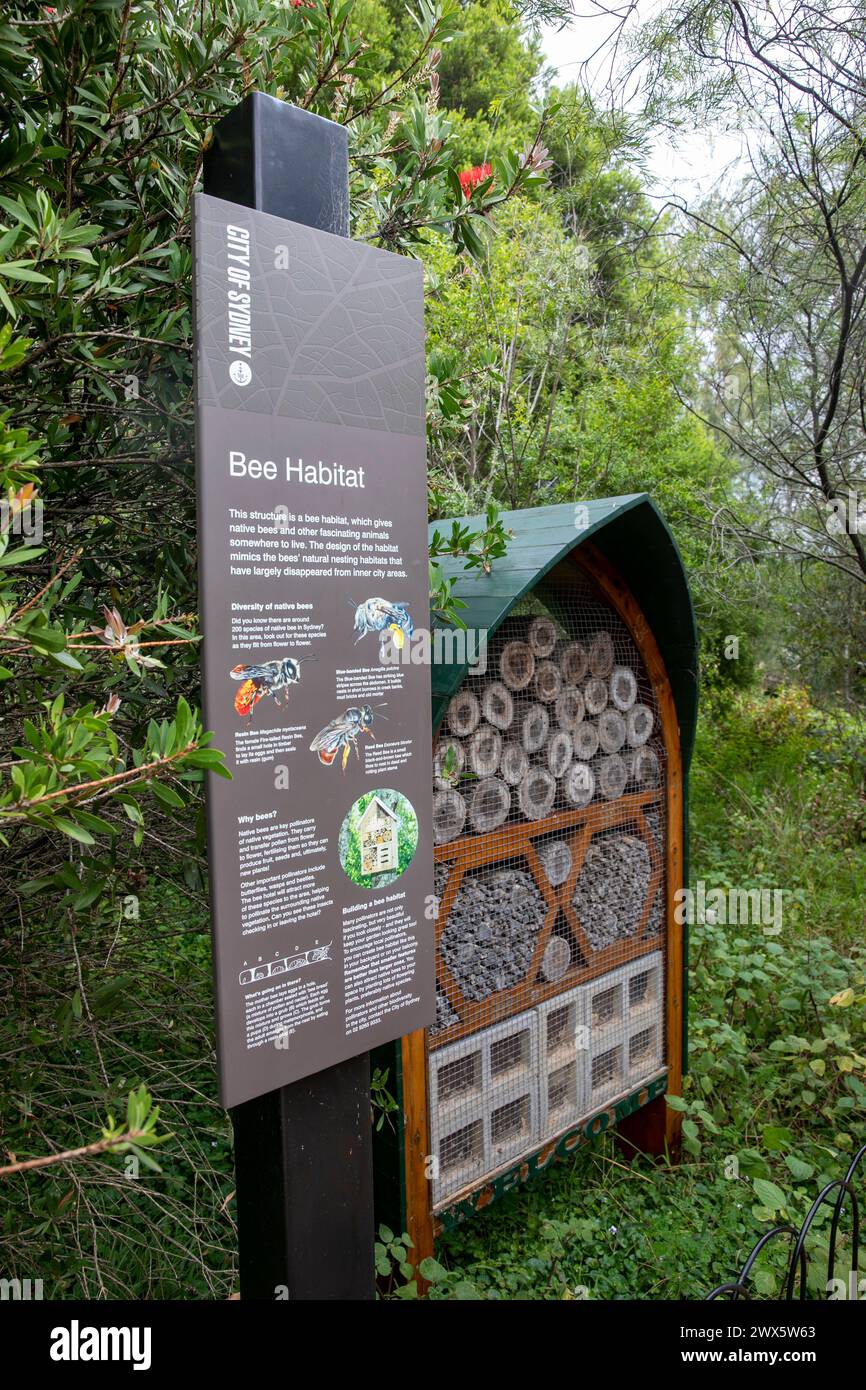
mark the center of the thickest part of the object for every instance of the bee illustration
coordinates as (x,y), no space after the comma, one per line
(378,615)
(267,679)
(343,732)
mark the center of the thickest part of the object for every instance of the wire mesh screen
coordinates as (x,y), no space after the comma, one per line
(550,825)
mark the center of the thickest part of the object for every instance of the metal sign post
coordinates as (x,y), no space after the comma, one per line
(312,534)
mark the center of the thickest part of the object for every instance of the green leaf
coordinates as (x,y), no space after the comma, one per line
(769,1195)
(75,832)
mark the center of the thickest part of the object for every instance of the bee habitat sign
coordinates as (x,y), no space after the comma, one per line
(312,505)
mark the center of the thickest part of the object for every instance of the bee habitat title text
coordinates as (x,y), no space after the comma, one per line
(319,474)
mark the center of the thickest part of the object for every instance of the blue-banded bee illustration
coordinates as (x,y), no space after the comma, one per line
(269,678)
(343,733)
(379,615)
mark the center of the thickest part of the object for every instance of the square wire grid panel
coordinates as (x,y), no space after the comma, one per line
(550,827)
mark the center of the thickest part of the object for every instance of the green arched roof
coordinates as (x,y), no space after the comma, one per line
(631,533)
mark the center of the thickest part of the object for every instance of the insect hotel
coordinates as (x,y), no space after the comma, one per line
(377,833)
(560,752)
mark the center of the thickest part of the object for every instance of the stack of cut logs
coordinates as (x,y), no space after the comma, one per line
(561,725)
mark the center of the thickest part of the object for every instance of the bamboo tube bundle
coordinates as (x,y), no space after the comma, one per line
(484,749)
(556,959)
(584,741)
(570,708)
(611,890)
(573,662)
(559,751)
(601,654)
(536,792)
(513,763)
(497,705)
(542,636)
(611,731)
(595,695)
(534,728)
(463,714)
(516,665)
(448,762)
(449,816)
(646,770)
(578,784)
(611,776)
(490,935)
(639,725)
(489,805)
(623,688)
(556,859)
(548,682)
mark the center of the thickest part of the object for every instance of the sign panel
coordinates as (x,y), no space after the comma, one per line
(312,514)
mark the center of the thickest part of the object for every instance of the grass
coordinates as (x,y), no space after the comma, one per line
(774,1102)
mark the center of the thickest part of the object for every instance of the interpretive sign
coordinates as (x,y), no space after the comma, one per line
(312,530)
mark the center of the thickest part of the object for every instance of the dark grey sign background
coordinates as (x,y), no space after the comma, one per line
(338,376)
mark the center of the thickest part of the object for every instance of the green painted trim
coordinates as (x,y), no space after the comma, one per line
(563,1147)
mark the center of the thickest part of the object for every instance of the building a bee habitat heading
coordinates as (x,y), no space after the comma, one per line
(312,506)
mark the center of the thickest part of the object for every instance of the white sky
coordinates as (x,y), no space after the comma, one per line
(686,169)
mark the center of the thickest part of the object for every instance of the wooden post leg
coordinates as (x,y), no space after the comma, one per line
(654,1130)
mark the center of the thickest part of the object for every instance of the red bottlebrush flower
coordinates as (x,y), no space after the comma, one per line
(470,178)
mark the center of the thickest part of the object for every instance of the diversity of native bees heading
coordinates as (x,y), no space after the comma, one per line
(379,615)
(269,678)
(343,733)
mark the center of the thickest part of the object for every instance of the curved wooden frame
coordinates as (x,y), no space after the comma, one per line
(663,1129)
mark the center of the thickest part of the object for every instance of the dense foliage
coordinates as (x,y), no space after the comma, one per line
(580,344)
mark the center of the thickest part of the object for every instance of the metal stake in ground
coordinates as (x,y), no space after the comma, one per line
(303,1153)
